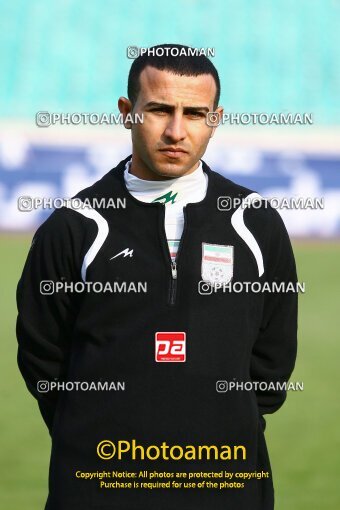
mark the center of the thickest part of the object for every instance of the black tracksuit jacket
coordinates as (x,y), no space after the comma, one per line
(94,336)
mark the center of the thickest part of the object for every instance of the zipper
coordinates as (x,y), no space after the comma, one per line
(174,263)
(173,282)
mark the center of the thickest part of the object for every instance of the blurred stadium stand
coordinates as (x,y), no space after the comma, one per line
(272,56)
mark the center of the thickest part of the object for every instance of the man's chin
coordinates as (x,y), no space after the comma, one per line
(173,169)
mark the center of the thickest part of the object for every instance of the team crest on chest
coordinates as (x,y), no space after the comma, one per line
(217,263)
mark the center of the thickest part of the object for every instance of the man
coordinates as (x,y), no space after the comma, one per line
(174,343)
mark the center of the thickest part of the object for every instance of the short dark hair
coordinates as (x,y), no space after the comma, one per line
(187,65)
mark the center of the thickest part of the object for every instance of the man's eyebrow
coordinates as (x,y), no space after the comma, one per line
(197,108)
(154,104)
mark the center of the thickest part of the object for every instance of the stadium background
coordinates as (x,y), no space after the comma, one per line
(272,56)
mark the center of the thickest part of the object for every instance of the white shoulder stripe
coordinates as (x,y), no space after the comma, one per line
(237,222)
(103,231)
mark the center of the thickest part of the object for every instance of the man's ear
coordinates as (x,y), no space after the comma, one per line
(125,108)
(219,113)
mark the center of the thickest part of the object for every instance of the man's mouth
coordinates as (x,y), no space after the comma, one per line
(173,152)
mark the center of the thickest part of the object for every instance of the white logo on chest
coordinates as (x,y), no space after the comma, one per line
(127,253)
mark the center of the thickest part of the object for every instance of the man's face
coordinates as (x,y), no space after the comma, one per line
(174,134)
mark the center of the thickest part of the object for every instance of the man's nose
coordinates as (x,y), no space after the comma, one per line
(175,129)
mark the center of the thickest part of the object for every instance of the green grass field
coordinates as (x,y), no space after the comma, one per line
(303,437)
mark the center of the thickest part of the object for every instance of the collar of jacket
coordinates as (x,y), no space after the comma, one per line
(117,174)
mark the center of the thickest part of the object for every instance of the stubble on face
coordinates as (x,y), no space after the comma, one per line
(174,134)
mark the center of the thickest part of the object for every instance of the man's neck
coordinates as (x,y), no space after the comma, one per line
(139,169)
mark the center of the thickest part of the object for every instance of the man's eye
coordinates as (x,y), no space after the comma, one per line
(159,110)
(195,115)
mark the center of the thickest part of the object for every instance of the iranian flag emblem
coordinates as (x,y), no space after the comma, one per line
(217,263)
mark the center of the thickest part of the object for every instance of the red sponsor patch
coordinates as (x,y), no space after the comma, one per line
(170,346)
